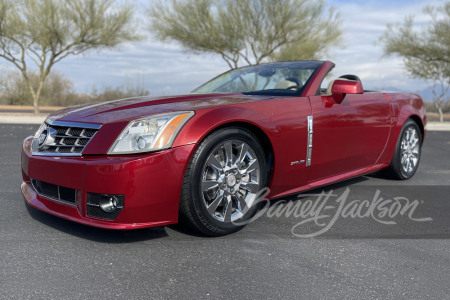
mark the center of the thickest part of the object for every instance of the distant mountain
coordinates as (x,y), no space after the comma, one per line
(391,89)
(427,94)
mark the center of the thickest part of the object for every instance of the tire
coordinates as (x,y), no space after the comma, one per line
(407,153)
(223,179)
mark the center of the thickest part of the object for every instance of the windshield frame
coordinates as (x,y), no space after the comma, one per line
(301,65)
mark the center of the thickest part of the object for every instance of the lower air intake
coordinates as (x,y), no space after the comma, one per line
(55,192)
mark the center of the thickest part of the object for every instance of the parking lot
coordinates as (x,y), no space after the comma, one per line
(278,256)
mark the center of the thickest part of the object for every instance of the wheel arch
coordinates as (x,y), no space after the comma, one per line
(395,170)
(262,137)
(206,123)
(401,120)
(419,123)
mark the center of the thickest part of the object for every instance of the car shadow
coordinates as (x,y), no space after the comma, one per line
(333,186)
(96,234)
(186,230)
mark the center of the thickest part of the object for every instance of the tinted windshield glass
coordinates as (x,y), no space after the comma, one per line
(282,78)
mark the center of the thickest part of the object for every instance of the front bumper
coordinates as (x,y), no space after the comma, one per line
(151,184)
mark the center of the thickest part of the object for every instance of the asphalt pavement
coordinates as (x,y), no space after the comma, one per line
(396,249)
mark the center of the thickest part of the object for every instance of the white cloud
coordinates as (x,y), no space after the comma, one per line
(166,69)
(161,68)
(364,23)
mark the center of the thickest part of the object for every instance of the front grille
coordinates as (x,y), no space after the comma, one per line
(55,192)
(63,138)
(68,139)
(94,210)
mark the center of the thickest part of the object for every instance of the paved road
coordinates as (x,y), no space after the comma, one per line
(43,257)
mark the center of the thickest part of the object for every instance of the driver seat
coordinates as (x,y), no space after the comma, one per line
(284,84)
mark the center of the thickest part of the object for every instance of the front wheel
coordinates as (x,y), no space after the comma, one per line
(407,153)
(221,186)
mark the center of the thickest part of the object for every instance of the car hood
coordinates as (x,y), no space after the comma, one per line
(132,108)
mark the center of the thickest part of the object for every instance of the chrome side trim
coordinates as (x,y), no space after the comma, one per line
(310,140)
(73,124)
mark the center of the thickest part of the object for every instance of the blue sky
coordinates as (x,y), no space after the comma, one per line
(164,68)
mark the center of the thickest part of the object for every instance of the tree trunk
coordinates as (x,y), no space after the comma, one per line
(441,115)
(35,106)
(37,95)
(34,95)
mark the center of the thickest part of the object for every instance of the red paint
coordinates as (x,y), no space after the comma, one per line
(348,136)
(341,88)
(347,87)
(351,138)
(150,183)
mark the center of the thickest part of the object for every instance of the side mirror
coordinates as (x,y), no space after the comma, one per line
(342,87)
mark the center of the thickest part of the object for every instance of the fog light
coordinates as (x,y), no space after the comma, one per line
(108,203)
(104,206)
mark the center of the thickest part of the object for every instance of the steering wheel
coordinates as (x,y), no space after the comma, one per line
(294,87)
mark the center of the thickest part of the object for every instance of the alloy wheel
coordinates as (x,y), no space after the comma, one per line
(410,150)
(231,179)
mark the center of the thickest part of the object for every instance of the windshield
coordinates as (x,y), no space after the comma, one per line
(281,78)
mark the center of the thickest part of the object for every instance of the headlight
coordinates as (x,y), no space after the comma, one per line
(150,134)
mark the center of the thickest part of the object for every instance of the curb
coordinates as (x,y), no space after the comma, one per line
(18,118)
(29,107)
(438,126)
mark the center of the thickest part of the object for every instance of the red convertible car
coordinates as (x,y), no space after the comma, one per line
(203,158)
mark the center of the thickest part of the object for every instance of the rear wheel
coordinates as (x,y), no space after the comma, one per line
(407,153)
(222,182)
